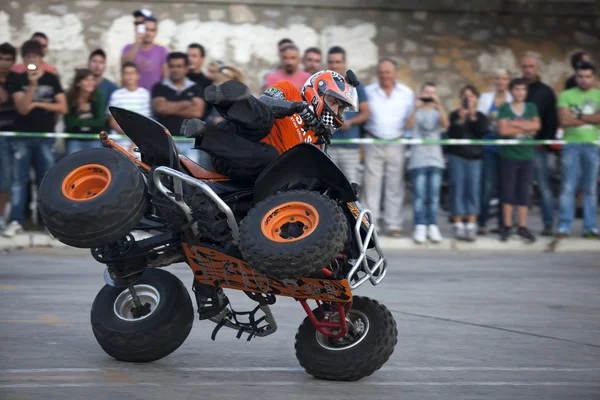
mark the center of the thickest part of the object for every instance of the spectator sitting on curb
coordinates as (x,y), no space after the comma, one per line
(347,156)
(489,103)
(520,120)
(427,163)
(464,164)
(86,111)
(312,60)
(150,58)
(579,110)
(97,64)
(8,114)
(39,98)
(43,40)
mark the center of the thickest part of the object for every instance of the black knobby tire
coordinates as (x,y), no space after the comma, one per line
(304,256)
(153,337)
(354,363)
(103,218)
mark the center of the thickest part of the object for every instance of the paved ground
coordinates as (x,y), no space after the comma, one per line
(471,325)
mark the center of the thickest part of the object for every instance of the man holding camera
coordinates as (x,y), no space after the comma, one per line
(38,98)
(150,58)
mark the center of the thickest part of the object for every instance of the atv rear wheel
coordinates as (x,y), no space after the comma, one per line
(133,335)
(92,197)
(293,234)
(372,336)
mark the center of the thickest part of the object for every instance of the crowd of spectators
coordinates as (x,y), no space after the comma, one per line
(169,86)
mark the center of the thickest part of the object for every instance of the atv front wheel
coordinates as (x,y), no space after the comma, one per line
(372,336)
(293,234)
(158,329)
(92,197)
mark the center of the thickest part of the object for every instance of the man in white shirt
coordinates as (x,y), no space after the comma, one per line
(390,104)
(131,97)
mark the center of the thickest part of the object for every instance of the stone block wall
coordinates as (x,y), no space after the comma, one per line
(451,48)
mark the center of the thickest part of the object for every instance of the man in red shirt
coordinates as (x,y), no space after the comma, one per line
(257,131)
(289,69)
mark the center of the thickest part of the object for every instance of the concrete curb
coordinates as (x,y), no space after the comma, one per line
(28,240)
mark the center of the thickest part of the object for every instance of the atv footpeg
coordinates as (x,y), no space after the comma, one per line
(262,326)
(210,299)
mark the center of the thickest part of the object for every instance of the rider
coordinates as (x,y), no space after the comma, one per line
(256,131)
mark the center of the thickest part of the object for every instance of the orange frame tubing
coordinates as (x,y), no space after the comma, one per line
(112,144)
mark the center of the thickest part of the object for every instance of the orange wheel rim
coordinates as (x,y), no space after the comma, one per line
(86,182)
(290,222)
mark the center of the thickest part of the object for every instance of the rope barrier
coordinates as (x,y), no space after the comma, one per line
(451,142)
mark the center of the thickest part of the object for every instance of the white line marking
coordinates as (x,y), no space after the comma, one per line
(293,369)
(286,383)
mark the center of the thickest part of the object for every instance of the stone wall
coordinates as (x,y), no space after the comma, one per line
(451,48)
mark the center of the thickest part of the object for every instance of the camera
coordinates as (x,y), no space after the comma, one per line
(426,99)
(465,103)
(141,28)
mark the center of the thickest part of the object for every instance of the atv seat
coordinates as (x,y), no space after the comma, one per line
(202,170)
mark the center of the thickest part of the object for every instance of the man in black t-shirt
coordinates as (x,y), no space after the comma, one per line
(177,98)
(8,113)
(196,54)
(38,98)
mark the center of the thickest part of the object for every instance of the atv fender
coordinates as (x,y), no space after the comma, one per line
(304,166)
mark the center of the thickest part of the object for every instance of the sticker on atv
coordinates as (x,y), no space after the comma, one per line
(212,267)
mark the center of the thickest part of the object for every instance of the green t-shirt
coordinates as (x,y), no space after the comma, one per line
(585,103)
(518,152)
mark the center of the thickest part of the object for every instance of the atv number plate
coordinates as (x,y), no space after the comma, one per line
(215,268)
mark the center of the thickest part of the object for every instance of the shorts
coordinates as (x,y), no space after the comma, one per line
(6,159)
(516,177)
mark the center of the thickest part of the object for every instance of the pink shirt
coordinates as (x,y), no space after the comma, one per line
(298,79)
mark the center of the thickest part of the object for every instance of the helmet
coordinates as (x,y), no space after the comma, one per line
(330,94)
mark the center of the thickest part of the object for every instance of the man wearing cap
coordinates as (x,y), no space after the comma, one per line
(150,57)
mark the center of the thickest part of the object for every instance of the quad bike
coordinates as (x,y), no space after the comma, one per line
(298,231)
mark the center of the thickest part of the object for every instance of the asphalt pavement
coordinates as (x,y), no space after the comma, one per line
(471,326)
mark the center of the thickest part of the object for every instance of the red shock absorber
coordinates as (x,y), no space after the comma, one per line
(327,328)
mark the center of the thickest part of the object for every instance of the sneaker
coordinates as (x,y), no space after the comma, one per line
(395,233)
(459,231)
(433,233)
(496,231)
(547,231)
(193,128)
(592,235)
(14,228)
(420,234)
(505,234)
(481,231)
(526,235)
(562,235)
(471,232)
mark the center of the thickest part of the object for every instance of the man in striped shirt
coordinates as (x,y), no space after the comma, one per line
(131,97)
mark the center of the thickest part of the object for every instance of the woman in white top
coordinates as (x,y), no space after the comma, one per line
(489,103)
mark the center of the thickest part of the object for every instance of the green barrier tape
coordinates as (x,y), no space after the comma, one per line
(451,142)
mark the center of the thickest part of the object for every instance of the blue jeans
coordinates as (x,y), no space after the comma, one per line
(6,159)
(579,164)
(542,177)
(426,183)
(75,145)
(490,183)
(42,151)
(465,184)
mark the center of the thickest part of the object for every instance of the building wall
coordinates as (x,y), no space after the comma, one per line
(451,48)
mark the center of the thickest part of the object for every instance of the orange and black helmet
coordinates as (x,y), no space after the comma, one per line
(330,94)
